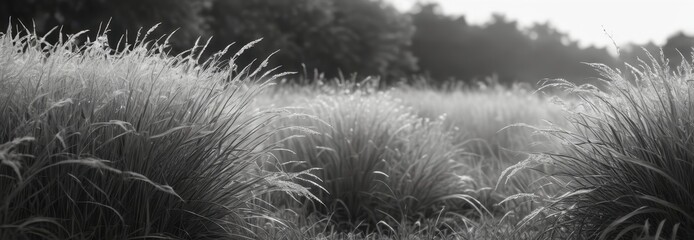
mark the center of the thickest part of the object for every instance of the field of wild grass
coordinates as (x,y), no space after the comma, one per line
(135,143)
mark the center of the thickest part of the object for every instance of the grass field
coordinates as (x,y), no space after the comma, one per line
(138,144)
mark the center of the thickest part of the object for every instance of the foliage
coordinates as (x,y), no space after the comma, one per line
(677,48)
(447,47)
(123,16)
(627,165)
(364,36)
(104,144)
(337,37)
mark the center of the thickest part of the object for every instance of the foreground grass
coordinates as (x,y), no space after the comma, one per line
(626,169)
(132,144)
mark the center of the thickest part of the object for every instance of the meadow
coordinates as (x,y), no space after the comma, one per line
(136,143)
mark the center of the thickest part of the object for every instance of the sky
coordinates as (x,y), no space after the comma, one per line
(591,22)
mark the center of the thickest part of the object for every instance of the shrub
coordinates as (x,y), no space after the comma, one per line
(626,167)
(129,144)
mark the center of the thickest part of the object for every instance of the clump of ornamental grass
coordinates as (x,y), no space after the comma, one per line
(483,119)
(380,165)
(627,164)
(134,143)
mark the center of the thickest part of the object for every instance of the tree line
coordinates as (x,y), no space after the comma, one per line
(368,37)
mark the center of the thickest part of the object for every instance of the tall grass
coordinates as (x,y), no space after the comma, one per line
(105,144)
(379,163)
(481,115)
(482,120)
(626,167)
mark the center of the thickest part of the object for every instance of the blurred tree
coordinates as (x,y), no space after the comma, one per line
(439,42)
(631,53)
(678,44)
(364,36)
(448,48)
(675,45)
(124,15)
(502,49)
(291,26)
(555,55)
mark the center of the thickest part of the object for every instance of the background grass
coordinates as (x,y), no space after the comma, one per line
(353,126)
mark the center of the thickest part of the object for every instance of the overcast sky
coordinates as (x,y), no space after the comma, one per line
(637,21)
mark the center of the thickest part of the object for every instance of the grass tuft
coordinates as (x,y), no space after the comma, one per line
(380,164)
(134,143)
(627,164)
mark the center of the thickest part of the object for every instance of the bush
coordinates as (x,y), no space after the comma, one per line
(102,144)
(627,167)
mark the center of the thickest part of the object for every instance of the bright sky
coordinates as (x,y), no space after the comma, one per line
(637,21)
